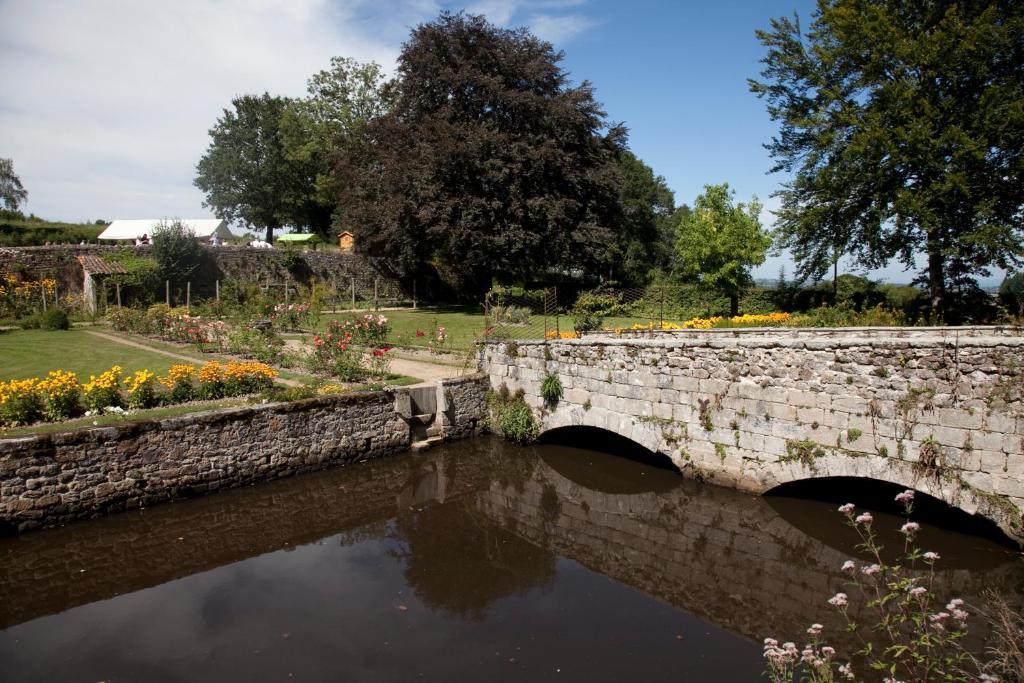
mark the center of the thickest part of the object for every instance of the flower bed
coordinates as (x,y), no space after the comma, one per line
(21,297)
(60,395)
(339,351)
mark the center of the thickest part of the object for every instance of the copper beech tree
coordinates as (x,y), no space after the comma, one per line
(489,163)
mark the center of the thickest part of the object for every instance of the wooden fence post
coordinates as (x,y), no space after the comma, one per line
(216,289)
(117,285)
(188,296)
(167,292)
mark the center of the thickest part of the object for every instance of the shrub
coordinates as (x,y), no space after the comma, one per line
(20,402)
(155,319)
(141,389)
(1011,294)
(212,381)
(179,383)
(103,391)
(511,315)
(61,394)
(590,310)
(247,377)
(29,322)
(511,416)
(334,353)
(252,343)
(368,330)
(176,251)
(551,389)
(54,319)
(127,319)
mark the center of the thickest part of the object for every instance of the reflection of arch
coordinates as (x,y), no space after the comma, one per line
(628,468)
(963,541)
(900,473)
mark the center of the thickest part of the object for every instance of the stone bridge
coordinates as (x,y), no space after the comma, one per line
(938,410)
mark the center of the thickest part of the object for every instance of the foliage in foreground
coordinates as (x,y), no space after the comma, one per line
(906,630)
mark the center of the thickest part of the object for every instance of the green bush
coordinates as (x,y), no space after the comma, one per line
(265,347)
(1011,294)
(54,319)
(590,310)
(511,416)
(29,322)
(127,319)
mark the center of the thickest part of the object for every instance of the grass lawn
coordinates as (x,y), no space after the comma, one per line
(33,353)
(461,323)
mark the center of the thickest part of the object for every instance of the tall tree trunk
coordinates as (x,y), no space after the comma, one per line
(936,278)
(734,305)
(270,233)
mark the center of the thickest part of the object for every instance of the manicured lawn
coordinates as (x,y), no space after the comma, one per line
(460,323)
(33,353)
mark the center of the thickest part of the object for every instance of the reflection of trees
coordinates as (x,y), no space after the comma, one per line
(460,562)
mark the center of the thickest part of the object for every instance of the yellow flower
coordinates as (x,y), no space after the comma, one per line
(211,372)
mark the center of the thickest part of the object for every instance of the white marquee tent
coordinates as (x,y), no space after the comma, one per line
(202,228)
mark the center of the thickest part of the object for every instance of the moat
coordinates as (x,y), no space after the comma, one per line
(479,560)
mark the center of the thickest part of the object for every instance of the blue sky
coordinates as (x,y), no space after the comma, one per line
(105,106)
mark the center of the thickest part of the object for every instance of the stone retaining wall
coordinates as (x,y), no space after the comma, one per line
(54,478)
(937,410)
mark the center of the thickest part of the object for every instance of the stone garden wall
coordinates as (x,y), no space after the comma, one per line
(54,478)
(936,410)
(241,264)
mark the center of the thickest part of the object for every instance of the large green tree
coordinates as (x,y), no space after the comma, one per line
(643,239)
(341,100)
(718,242)
(12,194)
(902,123)
(489,164)
(247,176)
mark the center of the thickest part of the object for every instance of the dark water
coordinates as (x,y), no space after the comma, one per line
(478,561)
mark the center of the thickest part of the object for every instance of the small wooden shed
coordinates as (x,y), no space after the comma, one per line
(95,270)
(347,242)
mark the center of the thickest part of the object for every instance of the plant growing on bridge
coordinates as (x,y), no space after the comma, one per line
(908,632)
(551,389)
(510,416)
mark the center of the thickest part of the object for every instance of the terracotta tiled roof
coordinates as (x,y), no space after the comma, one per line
(95,265)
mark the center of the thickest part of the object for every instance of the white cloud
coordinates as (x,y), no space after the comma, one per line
(105,105)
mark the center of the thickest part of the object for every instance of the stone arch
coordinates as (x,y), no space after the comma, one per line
(601,439)
(645,432)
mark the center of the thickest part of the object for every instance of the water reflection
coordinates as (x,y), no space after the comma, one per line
(478,560)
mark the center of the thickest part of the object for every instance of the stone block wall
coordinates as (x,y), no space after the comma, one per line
(54,478)
(939,411)
(462,405)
